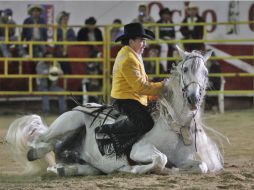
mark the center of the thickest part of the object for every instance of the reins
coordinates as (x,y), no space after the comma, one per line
(195,130)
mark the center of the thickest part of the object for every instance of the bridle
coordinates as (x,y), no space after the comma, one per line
(185,86)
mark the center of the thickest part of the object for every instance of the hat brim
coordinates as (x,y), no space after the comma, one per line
(148,34)
(35,7)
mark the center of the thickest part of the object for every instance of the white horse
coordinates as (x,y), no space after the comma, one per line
(177,137)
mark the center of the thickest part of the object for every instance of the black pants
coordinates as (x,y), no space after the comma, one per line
(138,116)
(125,133)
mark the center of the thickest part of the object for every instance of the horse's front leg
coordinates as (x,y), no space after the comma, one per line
(193,166)
(184,159)
(64,125)
(149,158)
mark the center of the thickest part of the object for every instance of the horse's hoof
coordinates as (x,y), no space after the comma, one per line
(67,171)
(60,171)
(36,153)
(31,155)
(52,170)
(203,167)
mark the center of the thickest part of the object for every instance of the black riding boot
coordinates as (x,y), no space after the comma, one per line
(123,134)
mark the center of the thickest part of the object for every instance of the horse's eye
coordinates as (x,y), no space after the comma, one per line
(185,69)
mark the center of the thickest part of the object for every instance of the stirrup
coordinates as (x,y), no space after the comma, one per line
(187,140)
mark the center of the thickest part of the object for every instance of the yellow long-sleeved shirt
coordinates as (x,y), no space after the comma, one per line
(130,80)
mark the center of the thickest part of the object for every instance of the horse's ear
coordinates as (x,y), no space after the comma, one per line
(182,53)
(208,54)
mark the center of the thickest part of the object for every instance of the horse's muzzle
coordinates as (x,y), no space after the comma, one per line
(193,101)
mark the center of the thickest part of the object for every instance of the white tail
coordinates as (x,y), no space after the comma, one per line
(21,134)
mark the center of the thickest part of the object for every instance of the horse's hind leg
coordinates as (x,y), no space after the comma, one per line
(65,124)
(151,158)
(74,170)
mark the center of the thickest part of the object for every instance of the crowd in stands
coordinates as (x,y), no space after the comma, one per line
(91,32)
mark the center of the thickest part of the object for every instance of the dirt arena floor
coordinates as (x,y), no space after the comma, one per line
(238,126)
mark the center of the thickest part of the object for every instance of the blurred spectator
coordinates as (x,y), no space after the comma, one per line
(150,66)
(166,33)
(64,33)
(193,32)
(116,31)
(53,71)
(35,33)
(91,33)
(7,19)
(213,66)
(233,16)
(143,16)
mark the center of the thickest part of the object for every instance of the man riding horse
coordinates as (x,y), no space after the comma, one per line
(177,114)
(130,90)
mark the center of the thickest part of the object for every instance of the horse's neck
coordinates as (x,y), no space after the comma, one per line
(177,105)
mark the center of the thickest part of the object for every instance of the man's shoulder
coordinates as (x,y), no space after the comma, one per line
(127,52)
(125,55)
(83,29)
(97,29)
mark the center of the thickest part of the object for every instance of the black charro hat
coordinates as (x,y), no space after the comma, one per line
(34,6)
(135,30)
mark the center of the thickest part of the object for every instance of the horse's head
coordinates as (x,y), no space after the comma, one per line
(193,76)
